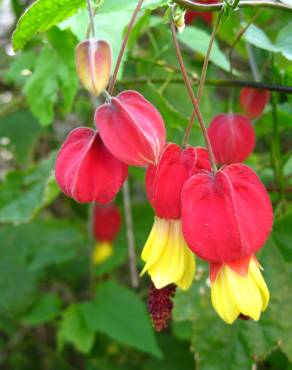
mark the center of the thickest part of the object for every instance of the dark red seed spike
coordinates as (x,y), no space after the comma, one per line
(243,317)
(160,305)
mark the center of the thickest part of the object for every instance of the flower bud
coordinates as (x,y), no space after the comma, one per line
(93,62)
(164,182)
(253,101)
(86,171)
(227,216)
(232,138)
(106,222)
(131,128)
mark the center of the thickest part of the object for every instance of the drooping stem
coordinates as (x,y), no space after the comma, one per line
(191,5)
(91,17)
(193,98)
(123,47)
(130,235)
(203,77)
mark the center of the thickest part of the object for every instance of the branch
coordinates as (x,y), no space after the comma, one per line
(273,4)
(212,82)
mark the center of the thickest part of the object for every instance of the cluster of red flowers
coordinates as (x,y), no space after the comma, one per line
(224,217)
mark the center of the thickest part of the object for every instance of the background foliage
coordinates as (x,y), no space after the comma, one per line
(53,314)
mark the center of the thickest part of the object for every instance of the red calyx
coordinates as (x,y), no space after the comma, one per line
(106,222)
(226,217)
(164,182)
(232,138)
(86,171)
(206,16)
(131,128)
(253,101)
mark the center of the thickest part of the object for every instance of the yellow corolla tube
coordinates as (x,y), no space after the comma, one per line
(101,252)
(166,255)
(234,295)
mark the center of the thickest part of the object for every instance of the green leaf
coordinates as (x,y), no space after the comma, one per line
(54,68)
(24,61)
(24,193)
(282,235)
(198,40)
(284,41)
(118,312)
(74,329)
(257,37)
(23,131)
(46,308)
(237,346)
(41,16)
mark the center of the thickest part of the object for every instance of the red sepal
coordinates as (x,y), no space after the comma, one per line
(253,101)
(131,128)
(106,222)
(86,171)
(164,182)
(226,217)
(232,138)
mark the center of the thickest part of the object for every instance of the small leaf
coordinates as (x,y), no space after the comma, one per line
(46,308)
(257,37)
(41,16)
(119,313)
(24,193)
(73,329)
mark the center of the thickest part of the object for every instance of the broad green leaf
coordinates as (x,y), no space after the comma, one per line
(73,329)
(24,193)
(238,346)
(54,69)
(119,313)
(284,41)
(46,308)
(257,37)
(198,40)
(23,131)
(24,61)
(282,235)
(41,16)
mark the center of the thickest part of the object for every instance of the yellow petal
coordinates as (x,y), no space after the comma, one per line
(165,255)
(233,294)
(101,252)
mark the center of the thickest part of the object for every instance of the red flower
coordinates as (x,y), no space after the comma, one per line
(206,16)
(164,182)
(232,138)
(131,128)
(106,222)
(228,216)
(86,171)
(253,101)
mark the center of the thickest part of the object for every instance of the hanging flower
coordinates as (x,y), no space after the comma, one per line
(167,257)
(205,16)
(226,219)
(253,101)
(131,128)
(106,225)
(227,216)
(238,290)
(93,63)
(232,138)
(86,171)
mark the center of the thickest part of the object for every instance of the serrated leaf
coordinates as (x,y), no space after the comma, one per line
(24,193)
(41,16)
(73,329)
(119,313)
